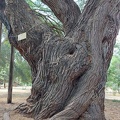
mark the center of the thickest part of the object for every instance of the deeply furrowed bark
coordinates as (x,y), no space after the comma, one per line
(69,72)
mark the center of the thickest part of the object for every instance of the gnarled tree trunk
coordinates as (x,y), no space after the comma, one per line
(69,72)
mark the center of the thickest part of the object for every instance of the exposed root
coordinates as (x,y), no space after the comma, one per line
(29,110)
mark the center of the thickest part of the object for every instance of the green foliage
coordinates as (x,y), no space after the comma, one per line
(4,58)
(114,70)
(21,68)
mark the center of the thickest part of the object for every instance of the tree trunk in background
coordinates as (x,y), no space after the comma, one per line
(10,84)
(69,72)
(4,84)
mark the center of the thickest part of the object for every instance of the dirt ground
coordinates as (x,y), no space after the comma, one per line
(112,103)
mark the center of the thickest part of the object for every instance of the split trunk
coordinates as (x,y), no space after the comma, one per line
(68,72)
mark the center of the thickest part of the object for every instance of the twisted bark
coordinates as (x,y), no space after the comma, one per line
(69,72)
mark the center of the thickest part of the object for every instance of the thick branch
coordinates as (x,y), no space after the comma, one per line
(88,12)
(66,11)
(23,19)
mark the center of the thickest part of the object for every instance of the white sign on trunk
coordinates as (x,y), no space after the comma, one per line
(22,36)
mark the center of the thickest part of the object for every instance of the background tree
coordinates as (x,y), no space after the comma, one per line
(68,71)
(22,73)
(21,68)
(114,70)
(4,62)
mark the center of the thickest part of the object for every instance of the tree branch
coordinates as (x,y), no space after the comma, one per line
(88,12)
(66,11)
(23,19)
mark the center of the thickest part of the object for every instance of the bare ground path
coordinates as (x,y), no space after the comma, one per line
(19,96)
(112,103)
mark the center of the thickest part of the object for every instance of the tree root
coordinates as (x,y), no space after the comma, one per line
(29,110)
